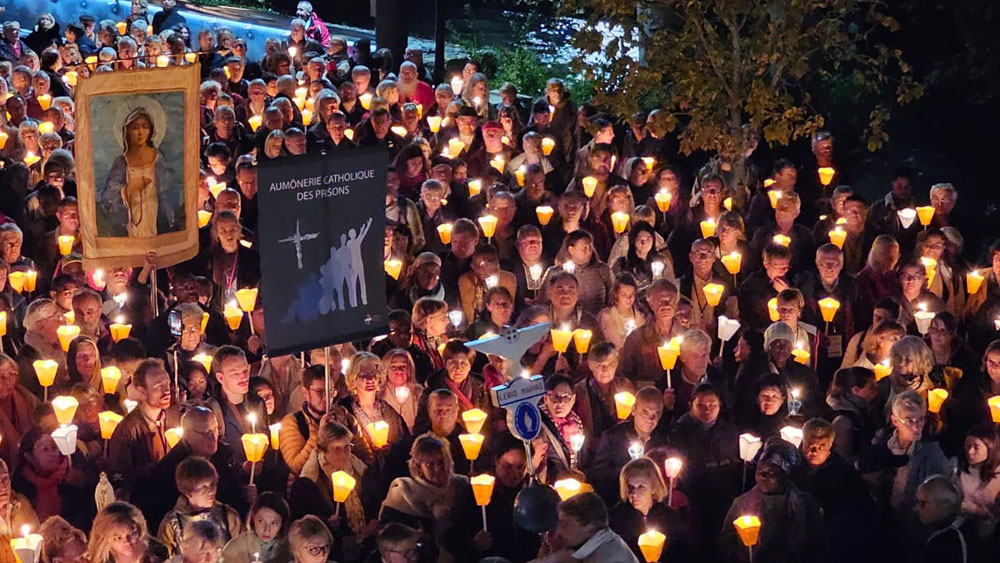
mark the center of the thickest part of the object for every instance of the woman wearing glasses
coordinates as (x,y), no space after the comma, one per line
(310,540)
(365,379)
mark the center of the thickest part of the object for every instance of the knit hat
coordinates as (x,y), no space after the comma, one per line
(780,453)
(426,258)
(778,331)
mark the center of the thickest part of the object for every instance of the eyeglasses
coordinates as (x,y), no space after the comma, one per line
(317,550)
(411,553)
(560,397)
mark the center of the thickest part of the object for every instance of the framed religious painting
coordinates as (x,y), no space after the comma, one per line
(137,141)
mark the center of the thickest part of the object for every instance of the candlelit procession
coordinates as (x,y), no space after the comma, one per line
(674,281)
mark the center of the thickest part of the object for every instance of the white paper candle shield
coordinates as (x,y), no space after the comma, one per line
(907,217)
(749,446)
(792,435)
(727,327)
(65,438)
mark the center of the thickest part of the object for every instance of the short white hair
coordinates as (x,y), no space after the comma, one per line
(38,310)
(910,401)
(947,188)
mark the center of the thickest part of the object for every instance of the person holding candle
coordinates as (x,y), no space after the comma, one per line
(623,316)
(850,397)
(593,276)
(119,535)
(779,340)
(499,308)
(266,535)
(640,360)
(790,303)
(197,482)
(640,256)
(430,329)
(191,341)
(41,322)
(432,498)
(642,426)
(47,248)
(11,246)
(475,284)
(468,387)
(642,506)
(528,266)
(582,533)
(400,389)
(234,403)
(792,526)
(423,281)
(771,413)
(828,281)
(431,212)
(761,208)
(559,424)
(801,240)
(759,287)
(51,481)
(202,542)
(900,459)
(458,259)
(139,441)
(364,379)
(354,522)
(948,349)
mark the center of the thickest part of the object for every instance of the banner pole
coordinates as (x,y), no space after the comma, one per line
(153,293)
(326,373)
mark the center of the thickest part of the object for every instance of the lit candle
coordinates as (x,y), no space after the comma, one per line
(379,432)
(119,329)
(561,338)
(434,122)
(366,100)
(471,445)
(973,281)
(619,221)
(535,270)
(66,334)
(519,175)
(349,133)
(781,239)
(215,188)
(397,129)
(488,224)
(475,186)
(3,139)
(907,216)
(456,84)
(204,216)
(46,127)
(190,57)
(636,450)
(205,360)
(882,369)
(567,488)
(444,231)
(713,293)
(749,446)
(801,354)
(65,407)
(838,236)
(657,267)
(662,198)
(392,267)
(455,146)
(581,340)
(774,196)
(45,371)
(3,325)
(474,419)
(748,528)
(254,446)
(30,279)
(828,308)
(233,314)
(28,547)
(292,51)
(548,144)
(72,77)
(708,228)
(791,435)
(923,318)
(30,159)
(935,398)
(651,545)
(307,116)
(650,162)
(668,356)
(173,435)
(498,162)
(925,214)
(544,213)
(624,401)
(45,101)
(772,309)
(343,484)
(994,404)
(163,60)
(66,244)
(110,376)
(728,203)
(255,121)
(589,185)
(16,281)
(727,327)
(733,262)
(108,421)
(247,298)
(826,175)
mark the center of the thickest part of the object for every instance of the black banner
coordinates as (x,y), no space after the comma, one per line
(322,227)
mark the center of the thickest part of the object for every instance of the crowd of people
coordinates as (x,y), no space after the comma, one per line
(730,338)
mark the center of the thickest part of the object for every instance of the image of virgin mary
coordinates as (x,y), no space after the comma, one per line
(136,195)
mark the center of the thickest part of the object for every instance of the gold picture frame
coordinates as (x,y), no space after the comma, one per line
(138,137)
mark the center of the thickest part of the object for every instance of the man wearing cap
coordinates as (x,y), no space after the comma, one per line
(801,380)
(466,131)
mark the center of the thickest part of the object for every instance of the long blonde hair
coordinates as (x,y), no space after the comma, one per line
(115,515)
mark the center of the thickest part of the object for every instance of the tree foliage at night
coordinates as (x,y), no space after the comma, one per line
(714,66)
